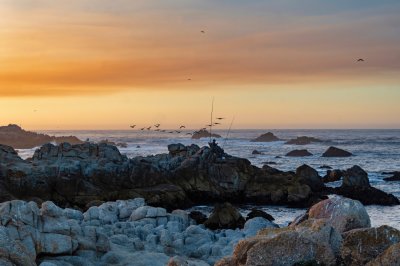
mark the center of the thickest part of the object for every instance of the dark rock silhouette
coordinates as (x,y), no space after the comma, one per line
(204,134)
(267,137)
(16,137)
(303,140)
(225,216)
(299,153)
(395,177)
(259,213)
(336,152)
(256,152)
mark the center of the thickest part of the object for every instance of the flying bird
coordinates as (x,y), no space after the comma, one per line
(217,123)
(202,31)
(133,126)
(220,118)
(149,128)
(360,60)
(208,125)
(189,79)
(157,125)
(142,128)
(182,127)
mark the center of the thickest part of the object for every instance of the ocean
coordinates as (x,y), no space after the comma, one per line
(376,151)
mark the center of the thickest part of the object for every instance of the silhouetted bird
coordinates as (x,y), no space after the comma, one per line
(142,128)
(208,125)
(182,127)
(133,126)
(149,128)
(220,118)
(360,60)
(157,125)
(202,31)
(189,79)
(217,123)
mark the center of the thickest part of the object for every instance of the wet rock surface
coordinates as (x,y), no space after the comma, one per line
(204,134)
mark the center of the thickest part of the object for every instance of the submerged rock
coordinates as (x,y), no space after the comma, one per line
(267,137)
(259,213)
(336,152)
(303,140)
(395,177)
(256,152)
(299,153)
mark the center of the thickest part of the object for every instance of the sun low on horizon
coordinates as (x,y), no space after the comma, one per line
(98,64)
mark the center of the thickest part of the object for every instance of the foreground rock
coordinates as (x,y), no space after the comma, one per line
(299,153)
(356,186)
(334,232)
(87,174)
(336,152)
(204,134)
(267,137)
(115,233)
(333,175)
(303,140)
(16,137)
(395,177)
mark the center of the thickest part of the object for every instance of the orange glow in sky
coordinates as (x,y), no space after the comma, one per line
(97,64)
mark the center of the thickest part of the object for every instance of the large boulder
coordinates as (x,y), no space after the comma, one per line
(303,140)
(313,242)
(310,177)
(343,214)
(225,216)
(336,152)
(299,153)
(267,137)
(363,245)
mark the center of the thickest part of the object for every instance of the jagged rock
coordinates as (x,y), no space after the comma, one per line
(224,216)
(389,257)
(341,213)
(395,177)
(355,177)
(363,245)
(16,137)
(356,186)
(303,140)
(310,177)
(336,152)
(202,133)
(259,213)
(299,153)
(332,176)
(267,137)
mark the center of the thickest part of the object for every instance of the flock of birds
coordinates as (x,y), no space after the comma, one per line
(156,128)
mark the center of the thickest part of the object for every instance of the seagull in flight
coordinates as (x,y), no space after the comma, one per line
(142,128)
(220,118)
(202,31)
(182,127)
(157,125)
(360,60)
(149,128)
(133,126)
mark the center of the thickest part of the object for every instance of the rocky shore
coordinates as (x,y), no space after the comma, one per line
(336,231)
(88,174)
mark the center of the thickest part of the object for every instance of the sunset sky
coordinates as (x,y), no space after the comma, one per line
(101,64)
